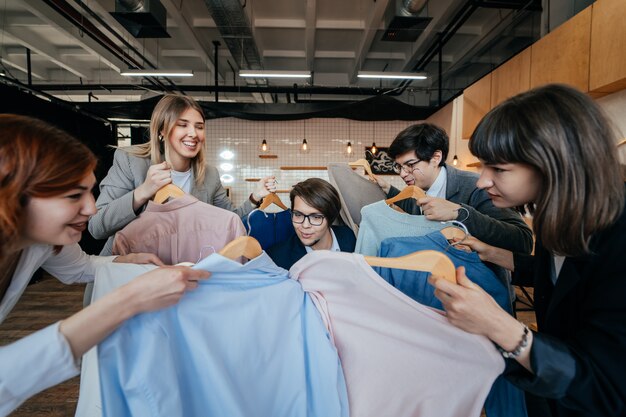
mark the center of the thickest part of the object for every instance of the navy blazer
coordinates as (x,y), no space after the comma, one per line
(578,356)
(287,253)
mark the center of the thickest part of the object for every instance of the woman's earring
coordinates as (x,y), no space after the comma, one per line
(160,138)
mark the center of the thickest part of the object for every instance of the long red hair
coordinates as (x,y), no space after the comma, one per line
(36,160)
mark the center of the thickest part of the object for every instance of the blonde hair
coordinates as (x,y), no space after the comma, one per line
(164,117)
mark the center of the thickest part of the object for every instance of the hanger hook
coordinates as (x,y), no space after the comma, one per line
(461,226)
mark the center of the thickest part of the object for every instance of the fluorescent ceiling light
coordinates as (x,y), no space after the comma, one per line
(275,74)
(393,75)
(157,73)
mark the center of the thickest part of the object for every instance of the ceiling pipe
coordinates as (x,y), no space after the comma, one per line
(85,25)
(295,90)
(457,21)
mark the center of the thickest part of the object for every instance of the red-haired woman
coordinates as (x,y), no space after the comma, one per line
(46,177)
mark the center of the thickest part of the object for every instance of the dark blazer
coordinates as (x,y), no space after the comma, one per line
(579,355)
(287,253)
(503,228)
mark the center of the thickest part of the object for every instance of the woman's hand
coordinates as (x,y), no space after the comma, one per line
(162,287)
(470,308)
(488,253)
(158,175)
(139,258)
(265,186)
(151,291)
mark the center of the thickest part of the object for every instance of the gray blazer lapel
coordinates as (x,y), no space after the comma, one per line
(452,182)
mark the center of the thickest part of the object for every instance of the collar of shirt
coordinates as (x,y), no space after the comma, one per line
(333,248)
(438,189)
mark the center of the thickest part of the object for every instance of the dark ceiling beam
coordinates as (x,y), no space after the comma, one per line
(226,89)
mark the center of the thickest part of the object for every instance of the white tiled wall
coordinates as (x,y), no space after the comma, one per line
(327,140)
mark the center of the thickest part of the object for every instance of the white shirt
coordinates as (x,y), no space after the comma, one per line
(333,248)
(438,189)
(182,180)
(43,358)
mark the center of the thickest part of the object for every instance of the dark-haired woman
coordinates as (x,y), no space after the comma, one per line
(552,150)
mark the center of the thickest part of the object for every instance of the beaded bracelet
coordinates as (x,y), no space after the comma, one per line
(523,343)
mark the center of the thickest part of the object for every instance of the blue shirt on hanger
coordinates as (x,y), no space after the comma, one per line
(246,342)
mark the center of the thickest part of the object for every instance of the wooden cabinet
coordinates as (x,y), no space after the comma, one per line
(563,55)
(511,78)
(607,72)
(476,104)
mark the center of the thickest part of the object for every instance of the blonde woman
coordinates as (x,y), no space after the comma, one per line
(175,154)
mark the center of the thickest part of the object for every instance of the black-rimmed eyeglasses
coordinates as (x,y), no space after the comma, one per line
(315,219)
(409,167)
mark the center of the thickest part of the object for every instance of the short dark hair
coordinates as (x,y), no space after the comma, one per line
(319,194)
(423,138)
(565,136)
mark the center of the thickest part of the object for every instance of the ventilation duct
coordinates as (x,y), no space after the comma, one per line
(142,18)
(405,25)
(231,20)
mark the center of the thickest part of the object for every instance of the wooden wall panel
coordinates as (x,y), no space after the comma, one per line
(476,104)
(563,55)
(443,118)
(511,78)
(607,72)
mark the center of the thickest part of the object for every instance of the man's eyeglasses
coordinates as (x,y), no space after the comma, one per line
(409,167)
(315,219)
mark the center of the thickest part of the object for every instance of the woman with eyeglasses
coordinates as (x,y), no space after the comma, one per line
(552,151)
(315,205)
(420,153)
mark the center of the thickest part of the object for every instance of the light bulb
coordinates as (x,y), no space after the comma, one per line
(374,149)
(349,148)
(455,160)
(305,146)
(264,145)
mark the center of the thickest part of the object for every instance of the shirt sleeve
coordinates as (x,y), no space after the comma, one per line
(72,265)
(32,364)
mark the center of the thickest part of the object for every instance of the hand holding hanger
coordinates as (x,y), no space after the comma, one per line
(157,177)
(265,186)
(488,253)
(470,308)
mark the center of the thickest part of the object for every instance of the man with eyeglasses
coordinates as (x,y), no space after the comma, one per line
(420,152)
(315,205)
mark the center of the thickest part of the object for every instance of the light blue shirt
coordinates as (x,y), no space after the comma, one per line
(438,189)
(247,342)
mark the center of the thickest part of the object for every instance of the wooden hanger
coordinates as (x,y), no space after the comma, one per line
(411,191)
(438,264)
(363,164)
(166,192)
(270,199)
(245,246)
(453,232)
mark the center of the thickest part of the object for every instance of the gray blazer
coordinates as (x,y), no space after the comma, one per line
(503,228)
(115,203)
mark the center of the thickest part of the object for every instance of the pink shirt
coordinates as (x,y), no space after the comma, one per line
(181,230)
(400,358)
